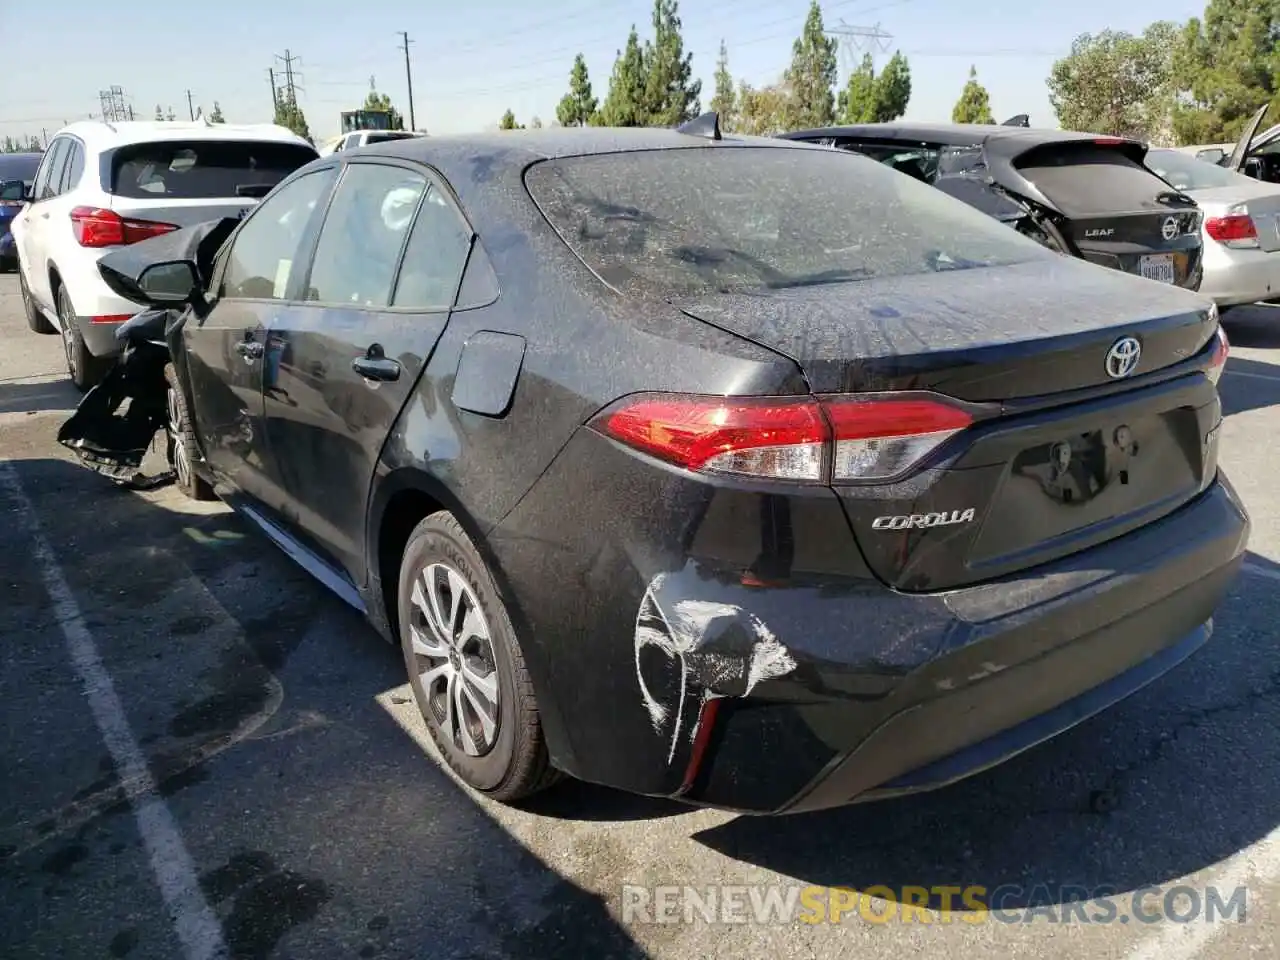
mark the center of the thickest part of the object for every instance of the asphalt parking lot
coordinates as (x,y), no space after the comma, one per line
(205,755)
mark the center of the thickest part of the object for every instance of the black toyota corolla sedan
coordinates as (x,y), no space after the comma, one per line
(721,468)
(1077,193)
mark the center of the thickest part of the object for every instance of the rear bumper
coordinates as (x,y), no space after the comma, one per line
(1234,277)
(824,688)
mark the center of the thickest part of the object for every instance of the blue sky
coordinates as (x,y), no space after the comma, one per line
(474,59)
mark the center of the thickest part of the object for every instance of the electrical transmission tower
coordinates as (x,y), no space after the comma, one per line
(113,105)
(855,41)
(292,79)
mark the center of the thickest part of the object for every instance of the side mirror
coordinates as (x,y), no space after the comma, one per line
(14,190)
(172,281)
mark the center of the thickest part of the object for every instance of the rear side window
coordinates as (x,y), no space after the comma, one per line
(204,169)
(1084,180)
(727,219)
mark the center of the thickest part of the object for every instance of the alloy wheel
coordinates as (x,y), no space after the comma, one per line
(453,652)
(177,449)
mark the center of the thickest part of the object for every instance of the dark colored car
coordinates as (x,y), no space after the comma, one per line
(1077,193)
(15,169)
(727,469)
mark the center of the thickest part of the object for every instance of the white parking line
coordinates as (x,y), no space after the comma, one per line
(1257,866)
(1253,376)
(194,921)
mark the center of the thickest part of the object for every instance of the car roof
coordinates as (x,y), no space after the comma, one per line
(526,146)
(951,134)
(101,135)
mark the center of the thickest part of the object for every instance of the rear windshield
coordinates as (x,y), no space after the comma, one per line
(731,219)
(384,137)
(1085,180)
(204,169)
(19,166)
(1188,173)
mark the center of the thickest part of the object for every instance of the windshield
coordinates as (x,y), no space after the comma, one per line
(731,219)
(1186,172)
(204,169)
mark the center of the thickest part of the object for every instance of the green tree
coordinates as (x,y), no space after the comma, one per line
(579,105)
(624,104)
(381,101)
(811,78)
(893,89)
(974,105)
(535,123)
(725,100)
(1228,66)
(763,111)
(671,95)
(508,122)
(34,145)
(215,116)
(10,145)
(289,114)
(1116,83)
(159,112)
(857,101)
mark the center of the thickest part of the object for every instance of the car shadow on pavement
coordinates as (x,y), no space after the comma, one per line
(50,395)
(1255,325)
(1171,781)
(315,815)
(1249,385)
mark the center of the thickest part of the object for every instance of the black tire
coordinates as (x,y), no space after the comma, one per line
(515,765)
(85,369)
(180,447)
(36,320)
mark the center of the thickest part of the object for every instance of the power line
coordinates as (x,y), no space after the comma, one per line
(855,40)
(292,79)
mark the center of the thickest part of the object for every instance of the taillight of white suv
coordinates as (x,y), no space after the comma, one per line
(96,227)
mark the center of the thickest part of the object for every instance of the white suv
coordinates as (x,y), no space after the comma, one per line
(103,185)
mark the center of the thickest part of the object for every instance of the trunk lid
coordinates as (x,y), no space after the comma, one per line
(986,334)
(1261,203)
(1115,211)
(1049,467)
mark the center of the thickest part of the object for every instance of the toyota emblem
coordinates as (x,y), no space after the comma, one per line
(1169,229)
(1122,358)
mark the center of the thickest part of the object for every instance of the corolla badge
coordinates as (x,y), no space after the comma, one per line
(1123,357)
(922,521)
(1169,229)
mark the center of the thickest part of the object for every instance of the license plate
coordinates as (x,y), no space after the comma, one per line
(1158,267)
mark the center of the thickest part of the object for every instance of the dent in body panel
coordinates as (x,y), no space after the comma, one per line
(720,650)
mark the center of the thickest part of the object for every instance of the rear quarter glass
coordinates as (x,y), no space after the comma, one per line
(734,219)
(203,169)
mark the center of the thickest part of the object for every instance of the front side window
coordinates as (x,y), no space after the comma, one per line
(737,219)
(263,252)
(363,233)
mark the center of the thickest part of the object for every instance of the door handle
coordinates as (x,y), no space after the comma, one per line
(249,349)
(375,365)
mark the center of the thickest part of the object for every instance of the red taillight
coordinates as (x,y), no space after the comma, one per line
(1218,359)
(95,227)
(1233,230)
(786,438)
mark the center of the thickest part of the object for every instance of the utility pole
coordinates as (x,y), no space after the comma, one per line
(408,76)
(44,136)
(191,110)
(275,94)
